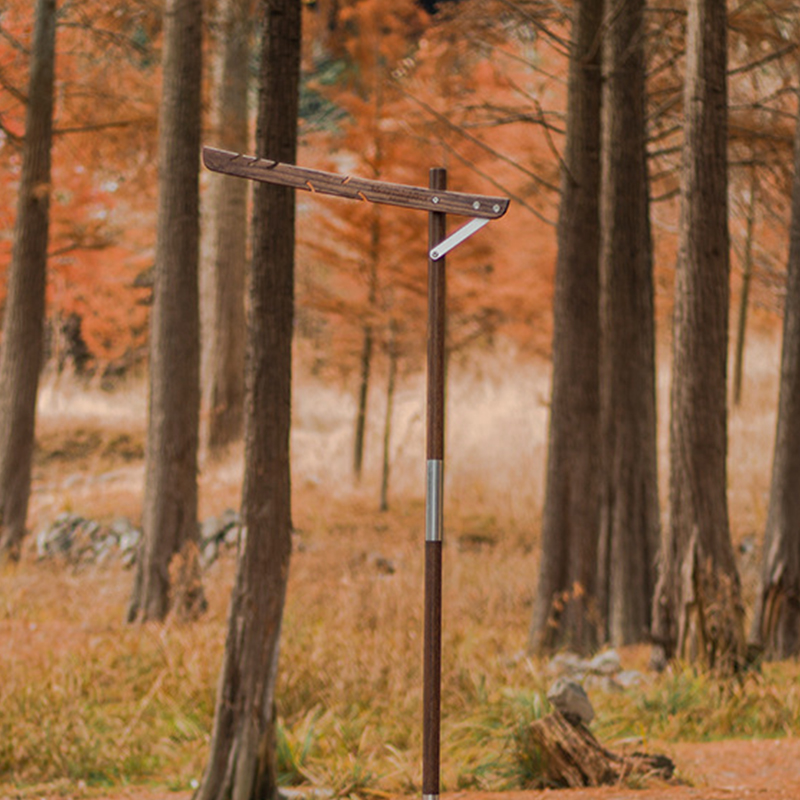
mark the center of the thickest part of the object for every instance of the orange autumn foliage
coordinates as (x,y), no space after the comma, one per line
(103,172)
(478,88)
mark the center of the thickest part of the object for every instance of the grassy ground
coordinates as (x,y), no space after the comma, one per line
(86,701)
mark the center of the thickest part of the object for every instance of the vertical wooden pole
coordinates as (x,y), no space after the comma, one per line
(432,657)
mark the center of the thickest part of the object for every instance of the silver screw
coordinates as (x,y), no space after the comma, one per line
(476,205)
(495,208)
(434,200)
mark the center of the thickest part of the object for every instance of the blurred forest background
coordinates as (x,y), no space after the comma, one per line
(563,463)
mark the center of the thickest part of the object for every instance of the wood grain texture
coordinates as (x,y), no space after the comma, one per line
(329,183)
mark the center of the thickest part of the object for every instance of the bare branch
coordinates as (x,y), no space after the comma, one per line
(789,48)
(469,137)
(560,45)
(100,126)
(478,171)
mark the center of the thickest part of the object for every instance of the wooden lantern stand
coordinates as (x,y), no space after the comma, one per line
(438,202)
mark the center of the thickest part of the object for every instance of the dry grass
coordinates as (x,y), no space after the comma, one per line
(86,700)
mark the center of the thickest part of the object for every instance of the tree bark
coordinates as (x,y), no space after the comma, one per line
(697,611)
(372,266)
(565,611)
(776,621)
(391,382)
(225,339)
(573,757)
(23,324)
(744,300)
(169,516)
(368,344)
(629,517)
(365,369)
(242,759)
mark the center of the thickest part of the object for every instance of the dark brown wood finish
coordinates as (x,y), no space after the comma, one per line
(438,202)
(432,670)
(329,183)
(437,294)
(432,657)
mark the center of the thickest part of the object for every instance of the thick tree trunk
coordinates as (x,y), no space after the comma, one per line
(242,760)
(776,621)
(23,324)
(225,339)
(169,516)
(697,608)
(565,611)
(629,518)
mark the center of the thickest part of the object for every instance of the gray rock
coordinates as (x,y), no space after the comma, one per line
(629,678)
(209,553)
(600,683)
(209,529)
(232,535)
(216,534)
(81,541)
(567,664)
(606,663)
(569,698)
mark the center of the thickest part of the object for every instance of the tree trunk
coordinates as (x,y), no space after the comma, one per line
(363,395)
(225,340)
(697,611)
(372,293)
(387,422)
(169,516)
(369,340)
(629,518)
(776,621)
(744,300)
(565,606)
(23,324)
(573,757)
(242,760)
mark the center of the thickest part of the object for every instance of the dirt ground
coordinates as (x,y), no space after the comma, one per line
(729,770)
(733,770)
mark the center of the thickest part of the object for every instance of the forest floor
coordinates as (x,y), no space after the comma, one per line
(90,461)
(728,770)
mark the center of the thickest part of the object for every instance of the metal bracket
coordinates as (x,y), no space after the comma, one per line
(455,239)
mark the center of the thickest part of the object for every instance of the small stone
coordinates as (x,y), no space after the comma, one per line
(209,553)
(209,529)
(629,678)
(232,535)
(566,664)
(569,698)
(606,663)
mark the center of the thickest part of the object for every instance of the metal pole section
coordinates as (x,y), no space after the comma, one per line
(432,657)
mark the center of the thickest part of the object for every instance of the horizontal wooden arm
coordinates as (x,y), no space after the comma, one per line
(314,180)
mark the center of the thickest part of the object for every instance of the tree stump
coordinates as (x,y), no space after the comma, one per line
(573,757)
